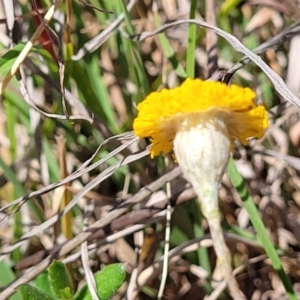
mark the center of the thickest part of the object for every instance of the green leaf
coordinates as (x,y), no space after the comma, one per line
(30,292)
(6,277)
(108,281)
(42,282)
(60,280)
(228,5)
(8,59)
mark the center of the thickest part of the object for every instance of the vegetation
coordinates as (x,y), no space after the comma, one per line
(76,185)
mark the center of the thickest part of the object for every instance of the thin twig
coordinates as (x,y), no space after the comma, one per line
(128,138)
(84,235)
(129,220)
(164,274)
(27,99)
(85,256)
(277,81)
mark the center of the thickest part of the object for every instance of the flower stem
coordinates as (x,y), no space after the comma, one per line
(210,209)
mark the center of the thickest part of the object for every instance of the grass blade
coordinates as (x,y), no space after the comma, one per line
(239,184)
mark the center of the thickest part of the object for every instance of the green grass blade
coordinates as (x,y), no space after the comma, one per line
(239,184)
(19,190)
(168,51)
(11,117)
(14,99)
(190,55)
(138,67)
(202,252)
(102,94)
(51,160)
(11,176)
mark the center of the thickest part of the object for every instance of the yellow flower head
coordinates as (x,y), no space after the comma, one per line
(162,114)
(200,120)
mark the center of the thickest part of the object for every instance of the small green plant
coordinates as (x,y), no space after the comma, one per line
(56,284)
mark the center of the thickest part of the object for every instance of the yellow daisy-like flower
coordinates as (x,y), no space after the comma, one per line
(161,112)
(200,120)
